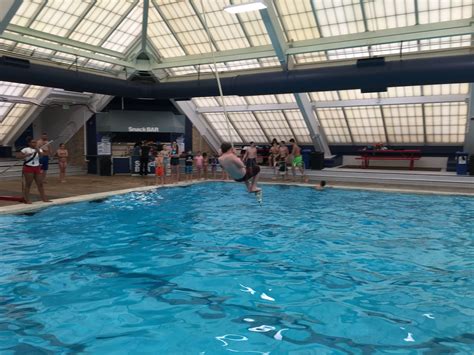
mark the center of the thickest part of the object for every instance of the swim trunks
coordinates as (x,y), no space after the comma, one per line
(282,165)
(188,169)
(44,162)
(174,161)
(36,170)
(298,161)
(251,162)
(250,172)
(159,171)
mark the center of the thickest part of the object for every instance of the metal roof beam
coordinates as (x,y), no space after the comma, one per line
(409,100)
(56,47)
(59,40)
(275,32)
(316,131)
(410,33)
(8,9)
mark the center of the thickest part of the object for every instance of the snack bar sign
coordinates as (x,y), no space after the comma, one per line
(143,129)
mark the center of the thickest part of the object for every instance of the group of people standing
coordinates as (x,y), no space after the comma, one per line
(281,158)
(36,157)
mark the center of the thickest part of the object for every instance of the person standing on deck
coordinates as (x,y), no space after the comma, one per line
(144,158)
(250,156)
(281,158)
(32,170)
(62,155)
(297,161)
(44,159)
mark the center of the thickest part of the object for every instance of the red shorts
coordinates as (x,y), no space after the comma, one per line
(31,169)
(159,171)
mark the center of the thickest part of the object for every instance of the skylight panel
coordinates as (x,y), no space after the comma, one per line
(298,20)
(445,42)
(12,89)
(34,91)
(220,124)
(4,109)
(334,124)
(385,14)
(205,102)
(404,123)
(356,95)
(269,62)
(443,10)
(232,100)
(310,57)
(324,96)
(12,117)
(225,28)
(402,91)
(285,98)
(161,36)
(26,12)
(274,124)
(298,126)
(338,18)
(253,26)
(186,26)
(100,20)
(446,122)
(59,17)
(243,64)
(248,127)
(177,71)
(127,32)
(261,99)
(446,89)
(348,53)
(366,124)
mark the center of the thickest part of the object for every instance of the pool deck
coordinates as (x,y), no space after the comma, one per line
(91,187)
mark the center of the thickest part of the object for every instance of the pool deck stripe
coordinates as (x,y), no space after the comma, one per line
(16,209)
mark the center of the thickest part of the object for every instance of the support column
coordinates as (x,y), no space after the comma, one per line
(316,132)
(189,109)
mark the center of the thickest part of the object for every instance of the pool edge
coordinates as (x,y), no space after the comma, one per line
(16,209)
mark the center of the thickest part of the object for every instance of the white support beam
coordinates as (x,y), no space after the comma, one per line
(316,132)
(61,40)
(146,7)
(8,9)
(341,103)
(394,35)
(409,100)
(59,48)
(410,33)
(247,108)
(188,109)
(275,32)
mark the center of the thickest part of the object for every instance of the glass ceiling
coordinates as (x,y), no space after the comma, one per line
(417,123)
(111,30)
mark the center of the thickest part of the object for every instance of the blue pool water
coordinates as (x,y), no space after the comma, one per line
(207,270)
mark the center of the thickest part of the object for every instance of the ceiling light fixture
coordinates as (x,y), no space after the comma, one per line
(246,7)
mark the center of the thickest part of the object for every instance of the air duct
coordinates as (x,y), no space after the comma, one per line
(441,70)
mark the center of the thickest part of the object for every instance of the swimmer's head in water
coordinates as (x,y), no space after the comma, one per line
(225,147)
(322,183)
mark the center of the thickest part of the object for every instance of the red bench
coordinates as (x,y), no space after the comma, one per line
(389,154)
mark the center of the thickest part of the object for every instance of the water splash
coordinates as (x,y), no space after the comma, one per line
(247,289)
(278,335)
(264,296)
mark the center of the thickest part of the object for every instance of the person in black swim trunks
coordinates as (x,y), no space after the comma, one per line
(174,161)
(237,170)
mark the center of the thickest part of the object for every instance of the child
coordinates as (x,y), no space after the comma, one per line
(159,168)
(321,185)
(62,155)
(188,169)
(214,163)
(199,161)
(205,164)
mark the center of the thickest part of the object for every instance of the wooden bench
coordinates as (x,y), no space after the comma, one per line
(389,154)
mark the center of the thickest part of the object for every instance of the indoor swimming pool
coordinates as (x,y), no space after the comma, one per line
(206,269)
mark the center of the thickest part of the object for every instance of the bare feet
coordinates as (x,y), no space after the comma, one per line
(47,201)
(28,202)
